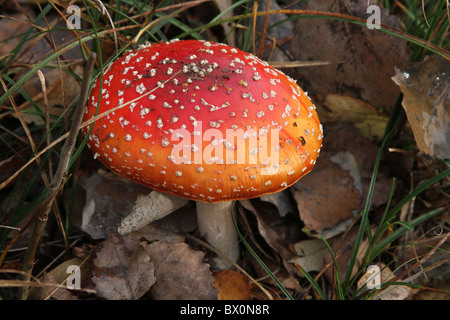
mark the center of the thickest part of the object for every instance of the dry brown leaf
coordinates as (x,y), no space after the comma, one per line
(232,285)
(10,29)
(343,137)
(288,279)
(61,87)
(180,272)
(55,82)
(327,199)
(362,60)
(278,232)
(51,289)
(426,89)
(122,269)
(342,247)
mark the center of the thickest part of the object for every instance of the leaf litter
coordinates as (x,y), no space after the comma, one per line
(180,272)
(123,269)
(157,262)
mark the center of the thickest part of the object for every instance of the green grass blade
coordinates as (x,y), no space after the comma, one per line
(312,281)
(258,259)
(336,266)
(43,63)
(365,214)
(381,246)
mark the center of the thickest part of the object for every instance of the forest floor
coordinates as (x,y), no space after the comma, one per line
(370,221)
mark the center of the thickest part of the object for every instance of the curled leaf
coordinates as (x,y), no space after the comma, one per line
(426,91)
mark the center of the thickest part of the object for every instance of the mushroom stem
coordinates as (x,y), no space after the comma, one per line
(216,226)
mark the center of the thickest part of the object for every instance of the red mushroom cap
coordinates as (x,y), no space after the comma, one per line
(204,121)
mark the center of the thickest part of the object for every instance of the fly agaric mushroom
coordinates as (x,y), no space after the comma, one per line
(203,121)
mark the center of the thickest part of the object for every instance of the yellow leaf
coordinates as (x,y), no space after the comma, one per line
(369,121)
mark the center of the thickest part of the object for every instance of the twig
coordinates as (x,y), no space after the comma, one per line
(43,209)
(263,36)
(49,138)
(48,266)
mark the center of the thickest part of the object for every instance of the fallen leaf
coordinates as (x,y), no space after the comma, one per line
(59,277)
(378,274)
(310,254)
(287,279)
(123,269)
(363,116)
(61,84)
(346,160)
(281,200)
(343,138)
(426,100)
(180,272)
(85,251)
(51,288)
(327,199)
(342,247)
(11,29)
(232,285)
(361,60)
(394,292)
(109,198)
(278,232)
